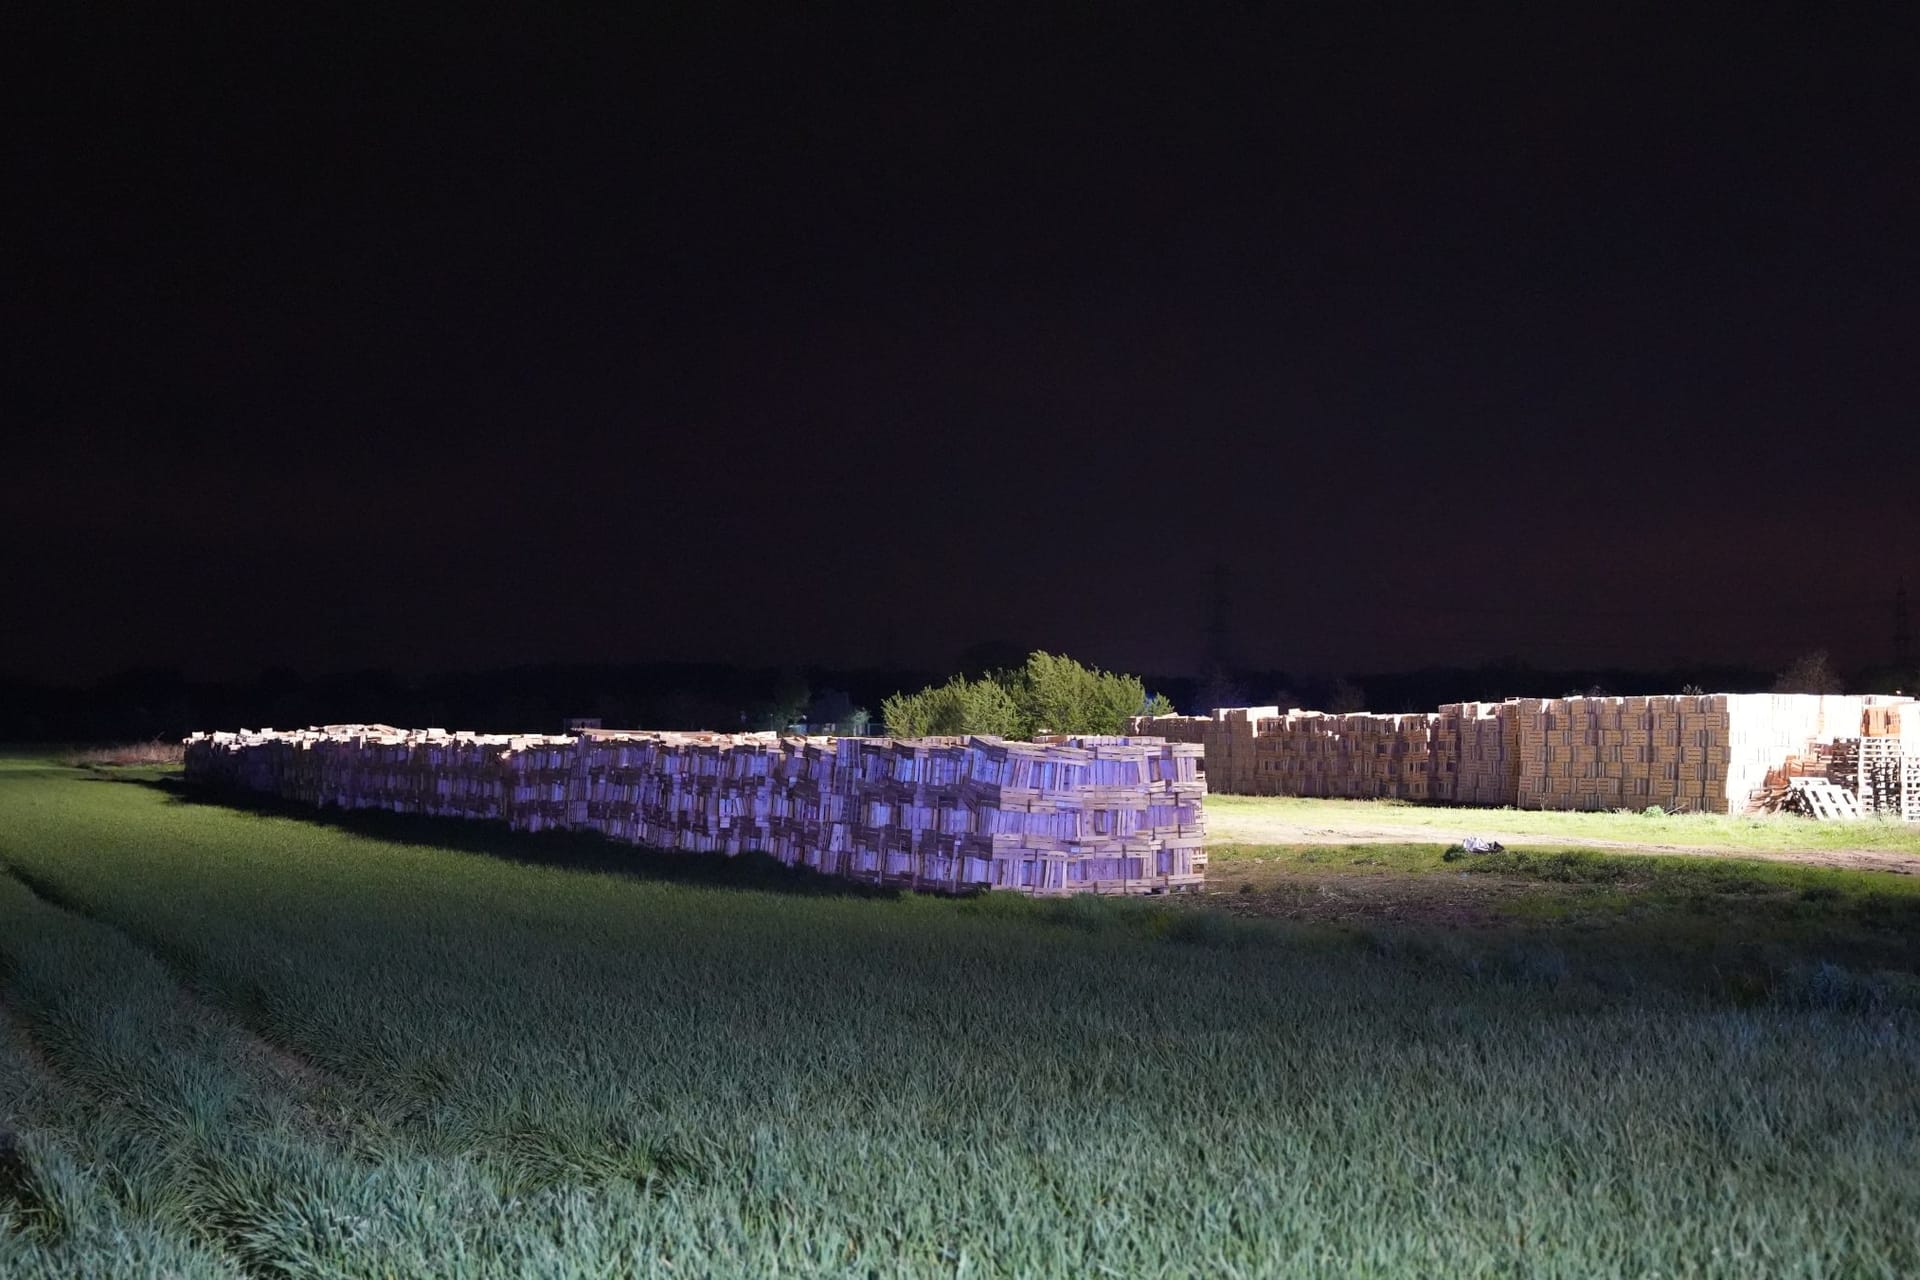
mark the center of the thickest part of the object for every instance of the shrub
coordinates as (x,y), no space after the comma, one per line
(1047,694)
(159,751)
(957,707)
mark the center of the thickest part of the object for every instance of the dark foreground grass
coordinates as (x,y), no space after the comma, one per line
(249,1044)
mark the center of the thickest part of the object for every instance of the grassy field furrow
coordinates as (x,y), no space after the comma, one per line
(517,1069)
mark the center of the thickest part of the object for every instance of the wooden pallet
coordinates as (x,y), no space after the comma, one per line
(1826,801)
(1889,777)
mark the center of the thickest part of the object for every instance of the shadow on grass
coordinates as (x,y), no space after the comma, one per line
(570,850)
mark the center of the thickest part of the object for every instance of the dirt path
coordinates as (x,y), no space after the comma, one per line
(1231,827)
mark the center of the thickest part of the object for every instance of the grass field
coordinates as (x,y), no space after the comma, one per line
(240,1043)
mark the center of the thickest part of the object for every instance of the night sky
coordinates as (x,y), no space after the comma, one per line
(455,339)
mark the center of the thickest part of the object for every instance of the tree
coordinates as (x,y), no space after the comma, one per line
(1055,694)
(1809,673)
(788,703)
(960,706)
(1220,689)
(1346,697)
(1049,693)
(1158,705)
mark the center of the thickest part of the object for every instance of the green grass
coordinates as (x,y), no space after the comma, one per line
(1704,830)
(1584,866)
(247,1044)
(1682,908)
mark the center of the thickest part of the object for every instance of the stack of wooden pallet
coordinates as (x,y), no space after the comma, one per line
(1357,756)
(1069,815)
(1835,762)
(1259,751)
(1719,753)
(1226,738)
(1886,776)
(1475,760)
(1765,730)
(1668,751)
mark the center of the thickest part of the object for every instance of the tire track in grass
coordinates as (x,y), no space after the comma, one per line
(523,1157)
(157,1087)
(279,1061)
(318,1199)
(57,1218)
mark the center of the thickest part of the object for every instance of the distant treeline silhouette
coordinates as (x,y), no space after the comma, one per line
(680,695)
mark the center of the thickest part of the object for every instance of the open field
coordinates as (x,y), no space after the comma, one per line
(258,1043)
(159,751)
(1871,844)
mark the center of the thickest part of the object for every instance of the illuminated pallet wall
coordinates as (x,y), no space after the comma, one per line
(1069,815)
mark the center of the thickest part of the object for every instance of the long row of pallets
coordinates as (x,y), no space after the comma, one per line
(1061,816)
(1713,753)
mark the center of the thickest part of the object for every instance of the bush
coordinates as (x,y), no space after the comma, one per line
(959,706)
(159,751)
(1048,694)
(1058,695)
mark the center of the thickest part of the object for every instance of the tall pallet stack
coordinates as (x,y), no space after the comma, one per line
(1356,756)
(1069,815)
(1232,741)
(1475,754)
(1610,753)
(1882,766)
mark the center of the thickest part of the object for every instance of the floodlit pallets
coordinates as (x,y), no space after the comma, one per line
(1067,815)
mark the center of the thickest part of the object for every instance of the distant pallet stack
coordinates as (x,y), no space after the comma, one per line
(1357,756)
(1064,816)
(1259,751)
(1711,753)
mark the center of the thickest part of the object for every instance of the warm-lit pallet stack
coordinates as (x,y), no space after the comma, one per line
(1612,753)
(1475,759)
(1068,815)
(1714,753)
(1259,751)
(1356,756)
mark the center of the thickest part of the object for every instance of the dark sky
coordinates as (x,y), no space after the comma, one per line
(450,339)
